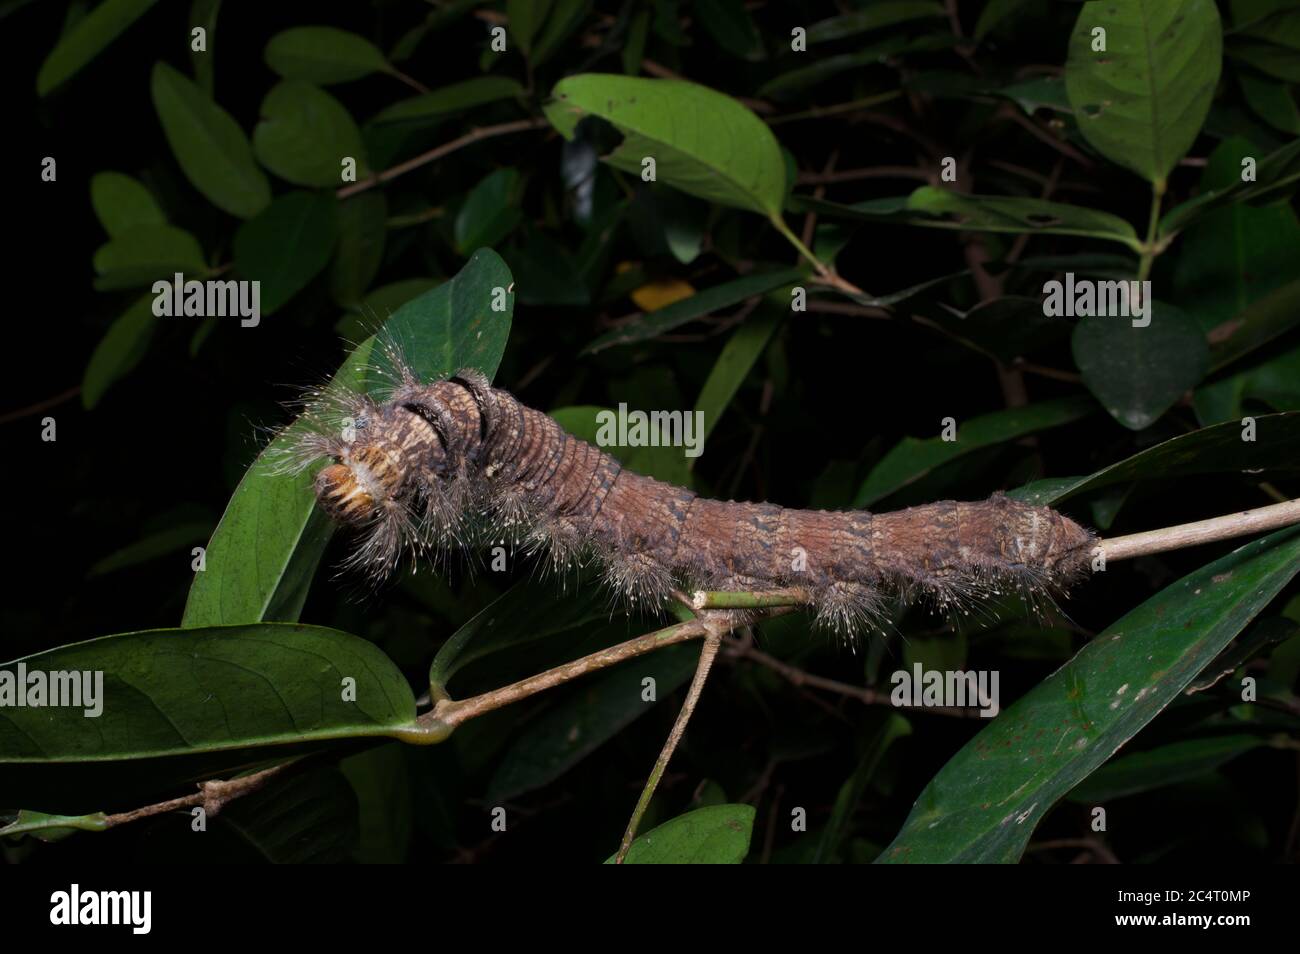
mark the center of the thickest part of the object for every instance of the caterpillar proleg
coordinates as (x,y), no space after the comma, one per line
(435,465)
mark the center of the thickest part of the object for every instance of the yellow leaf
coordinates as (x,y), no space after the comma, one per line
(661,293)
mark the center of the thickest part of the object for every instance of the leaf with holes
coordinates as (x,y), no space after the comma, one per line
(985,803)
(702,141)
(1141,75)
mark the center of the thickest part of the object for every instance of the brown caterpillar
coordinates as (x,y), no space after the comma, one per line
(435,464)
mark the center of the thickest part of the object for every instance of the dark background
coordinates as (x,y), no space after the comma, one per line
(168,443)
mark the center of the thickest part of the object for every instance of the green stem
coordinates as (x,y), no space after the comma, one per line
(825,274)
(727,599)
(779,223)
(410,81)
(1149,249)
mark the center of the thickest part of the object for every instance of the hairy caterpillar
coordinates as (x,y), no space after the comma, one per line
(432,465)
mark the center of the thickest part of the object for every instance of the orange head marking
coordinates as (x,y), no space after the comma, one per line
(342,496)
(365,478)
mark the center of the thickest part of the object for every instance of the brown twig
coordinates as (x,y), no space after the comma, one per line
(1045,372)
(810,220)
(708,653)
(410,81)
(447,148)
(213,795)
(1013,113)
(1226,527)
(798,677)
(845,308)
(450,713)
(1092,845)
(40,405)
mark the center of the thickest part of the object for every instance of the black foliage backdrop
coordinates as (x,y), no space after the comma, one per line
(101,522)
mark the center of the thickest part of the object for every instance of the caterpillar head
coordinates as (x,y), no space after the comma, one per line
(361,483)
(374,482)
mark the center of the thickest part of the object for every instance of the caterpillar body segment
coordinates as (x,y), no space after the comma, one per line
(443,464)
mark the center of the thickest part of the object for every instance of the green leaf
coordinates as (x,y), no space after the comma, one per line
(1271,59)
(440,16)
(703,303)
(121,203)
(144,253)
(380,303)
(1138,373)
(1235,255)
(685,222)
(1271,43)
(593,713)
(1004,328)
(525,613)
(181,691)
(994,12)
(565,18)
(287,245)
(1141,101)
(525,18)
(634,46)
(717,835)
(264,552)
(882,13)
(1271,101)
(305,134)
(939,208)
(1276,382)
(203,13)
(297,819)
(913,458)
(1039,92)
(45,827)
(177,537)
(703,142)
(323,55)
(1211,450)
(451,99)
(823,68)
(988,213)
(212,150)
(893,728)
(986,801)
(86,40)
(456,326)
(491,211)
(381,780)
(1274,177)
(729,23)
(119,351)
(1256,325)
(1166,765)
(359,253)
(737,358)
